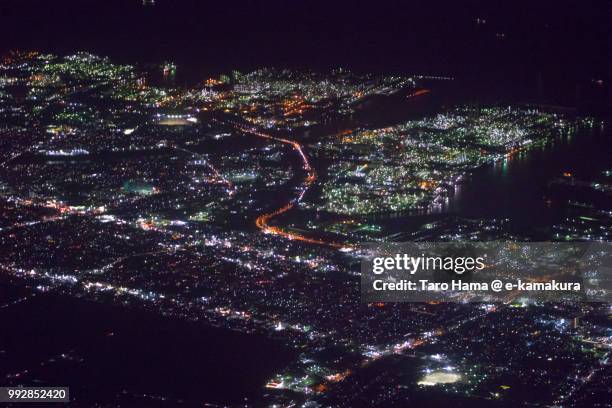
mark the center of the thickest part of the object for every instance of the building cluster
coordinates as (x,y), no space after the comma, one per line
(148,196)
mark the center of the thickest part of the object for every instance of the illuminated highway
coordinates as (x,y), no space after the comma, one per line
(263,221)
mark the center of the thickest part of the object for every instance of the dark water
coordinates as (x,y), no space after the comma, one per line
(117,354)
(518,188)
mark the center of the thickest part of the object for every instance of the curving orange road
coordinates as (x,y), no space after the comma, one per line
(418,92)
(263,221)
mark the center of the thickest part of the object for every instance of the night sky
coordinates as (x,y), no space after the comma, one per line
(563,42)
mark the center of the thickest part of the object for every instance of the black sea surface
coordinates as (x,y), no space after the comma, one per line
(113,354)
